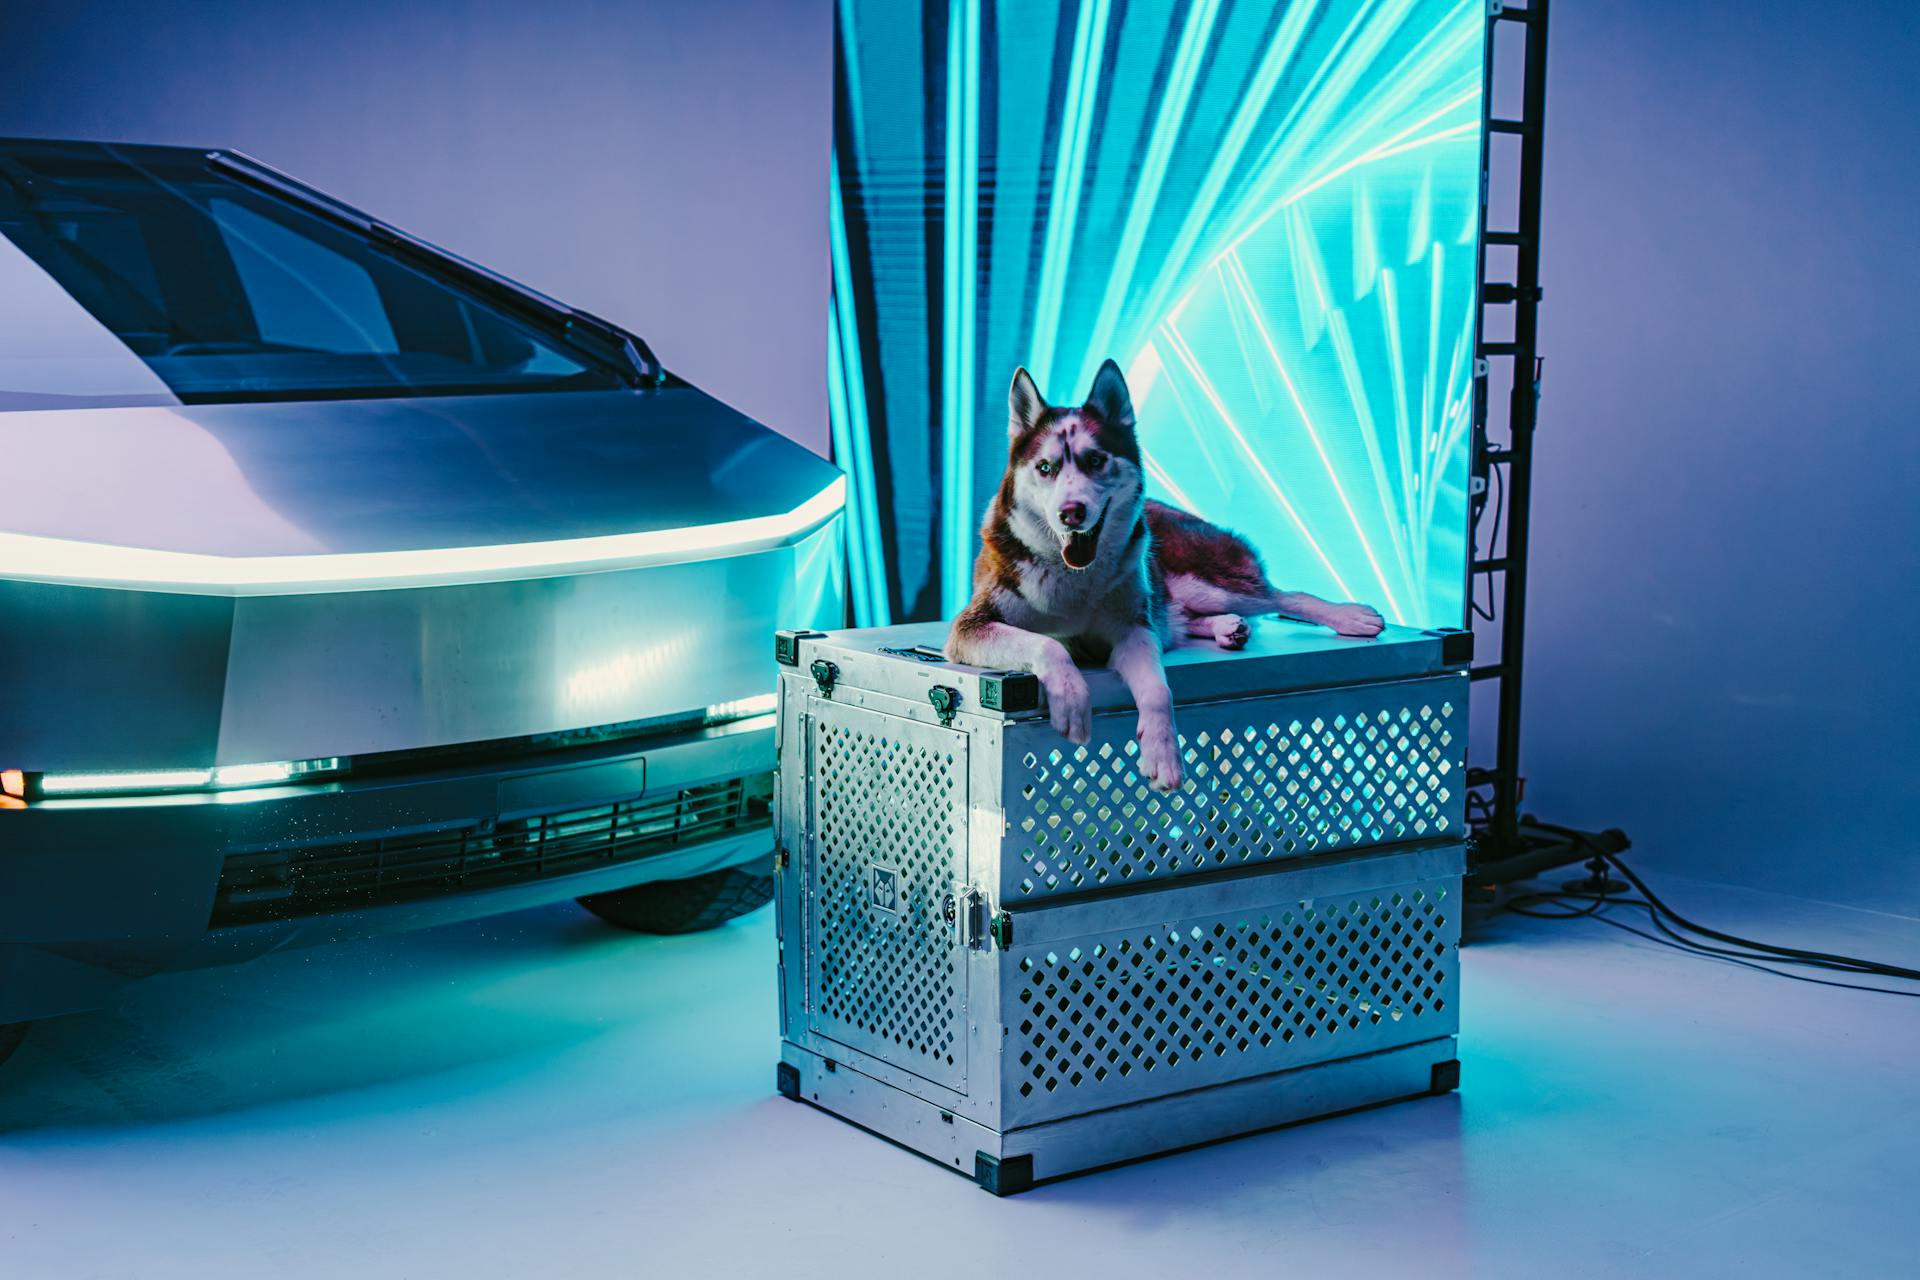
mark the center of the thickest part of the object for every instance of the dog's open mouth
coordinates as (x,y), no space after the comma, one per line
(1077,548)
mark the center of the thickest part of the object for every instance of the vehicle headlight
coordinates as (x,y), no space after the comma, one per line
(226,777)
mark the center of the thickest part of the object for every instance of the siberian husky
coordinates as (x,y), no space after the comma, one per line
(1077,566)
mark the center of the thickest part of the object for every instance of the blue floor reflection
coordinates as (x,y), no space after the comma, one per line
(542,1095)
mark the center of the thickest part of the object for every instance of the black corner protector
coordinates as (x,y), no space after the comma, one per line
(1010,692)
(1008,1177)
(786,1079)
(786,645)
(1456,646)
(1446,1076)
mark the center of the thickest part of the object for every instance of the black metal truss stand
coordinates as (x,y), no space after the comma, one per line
(1508,846)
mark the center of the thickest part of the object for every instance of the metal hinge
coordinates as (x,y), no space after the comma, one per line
(781,858)
(946,703)
(824,674)
(1002,930)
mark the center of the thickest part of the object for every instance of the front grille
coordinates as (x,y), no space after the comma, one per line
(287,883)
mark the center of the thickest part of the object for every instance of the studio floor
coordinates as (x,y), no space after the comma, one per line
(538,1095)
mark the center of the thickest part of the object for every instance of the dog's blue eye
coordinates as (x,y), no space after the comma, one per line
(1046,468)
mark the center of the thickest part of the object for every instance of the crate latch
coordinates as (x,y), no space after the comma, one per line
(946,703)
(966,911)
(824,674)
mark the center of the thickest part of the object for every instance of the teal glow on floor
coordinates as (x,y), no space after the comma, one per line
(538,1095)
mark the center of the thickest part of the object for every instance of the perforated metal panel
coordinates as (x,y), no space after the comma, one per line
(888,839)
(1128,1013)
(1267,778)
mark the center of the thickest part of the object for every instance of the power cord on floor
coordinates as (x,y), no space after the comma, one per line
(1747,952)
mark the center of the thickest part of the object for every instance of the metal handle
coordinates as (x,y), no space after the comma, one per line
(966,911)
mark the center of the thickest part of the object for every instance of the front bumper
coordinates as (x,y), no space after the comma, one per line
(95,892)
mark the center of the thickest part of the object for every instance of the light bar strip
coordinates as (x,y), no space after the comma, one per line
(1146,192)
(960,267)
(865,591)
(1180,349)
(837,430)
(1069,173)
(1392,147)
(1253,106)
(853,437)
(63,784)
(1310,118)
(1348,360)
(225,777)
(742,708)
(29,557)
(1235,271)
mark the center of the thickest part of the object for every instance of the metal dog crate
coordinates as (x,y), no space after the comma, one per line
(1006,952)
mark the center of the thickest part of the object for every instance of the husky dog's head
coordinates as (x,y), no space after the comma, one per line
(1075,472)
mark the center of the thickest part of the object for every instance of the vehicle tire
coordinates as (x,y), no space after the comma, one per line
(11,1034)
(684,906)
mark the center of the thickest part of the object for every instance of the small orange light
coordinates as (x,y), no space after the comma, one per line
(13,783)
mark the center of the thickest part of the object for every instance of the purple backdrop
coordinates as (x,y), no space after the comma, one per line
(663,163)
(1727,529)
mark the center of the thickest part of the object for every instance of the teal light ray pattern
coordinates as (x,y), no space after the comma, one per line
(1267,211)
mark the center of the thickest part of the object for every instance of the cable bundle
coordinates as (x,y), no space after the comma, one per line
(1747,952)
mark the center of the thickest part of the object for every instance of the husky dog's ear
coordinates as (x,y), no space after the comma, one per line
(1024,405)
(1109,397)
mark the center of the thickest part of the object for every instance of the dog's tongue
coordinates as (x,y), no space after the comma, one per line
(1079,548)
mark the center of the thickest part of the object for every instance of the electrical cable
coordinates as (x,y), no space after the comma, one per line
(1593,911)
(1493,544)
(1658,905)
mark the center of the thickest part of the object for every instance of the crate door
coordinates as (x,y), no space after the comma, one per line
(885,973)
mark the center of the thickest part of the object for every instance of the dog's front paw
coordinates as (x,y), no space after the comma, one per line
(1159,754)
(1069,705)
(1355,620)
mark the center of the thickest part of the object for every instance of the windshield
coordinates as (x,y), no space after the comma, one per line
(137,275)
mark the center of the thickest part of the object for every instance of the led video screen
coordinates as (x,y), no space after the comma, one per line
(1267,212)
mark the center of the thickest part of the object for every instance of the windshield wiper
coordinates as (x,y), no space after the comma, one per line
(625,351)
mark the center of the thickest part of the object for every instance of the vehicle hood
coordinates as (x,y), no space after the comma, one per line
(220,488)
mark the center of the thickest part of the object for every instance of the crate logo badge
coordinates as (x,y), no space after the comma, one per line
(884,890)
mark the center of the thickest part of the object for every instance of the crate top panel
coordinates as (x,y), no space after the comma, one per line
(908,660)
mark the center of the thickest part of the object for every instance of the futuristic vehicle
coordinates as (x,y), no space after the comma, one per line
(348,587)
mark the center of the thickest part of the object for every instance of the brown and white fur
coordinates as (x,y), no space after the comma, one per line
(1077,566)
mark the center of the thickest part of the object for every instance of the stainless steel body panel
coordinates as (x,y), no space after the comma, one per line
(102,678)
(1275,940)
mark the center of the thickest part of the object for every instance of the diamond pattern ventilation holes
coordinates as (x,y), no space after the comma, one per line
(893,977)
(1164,1001)
(1256,790)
